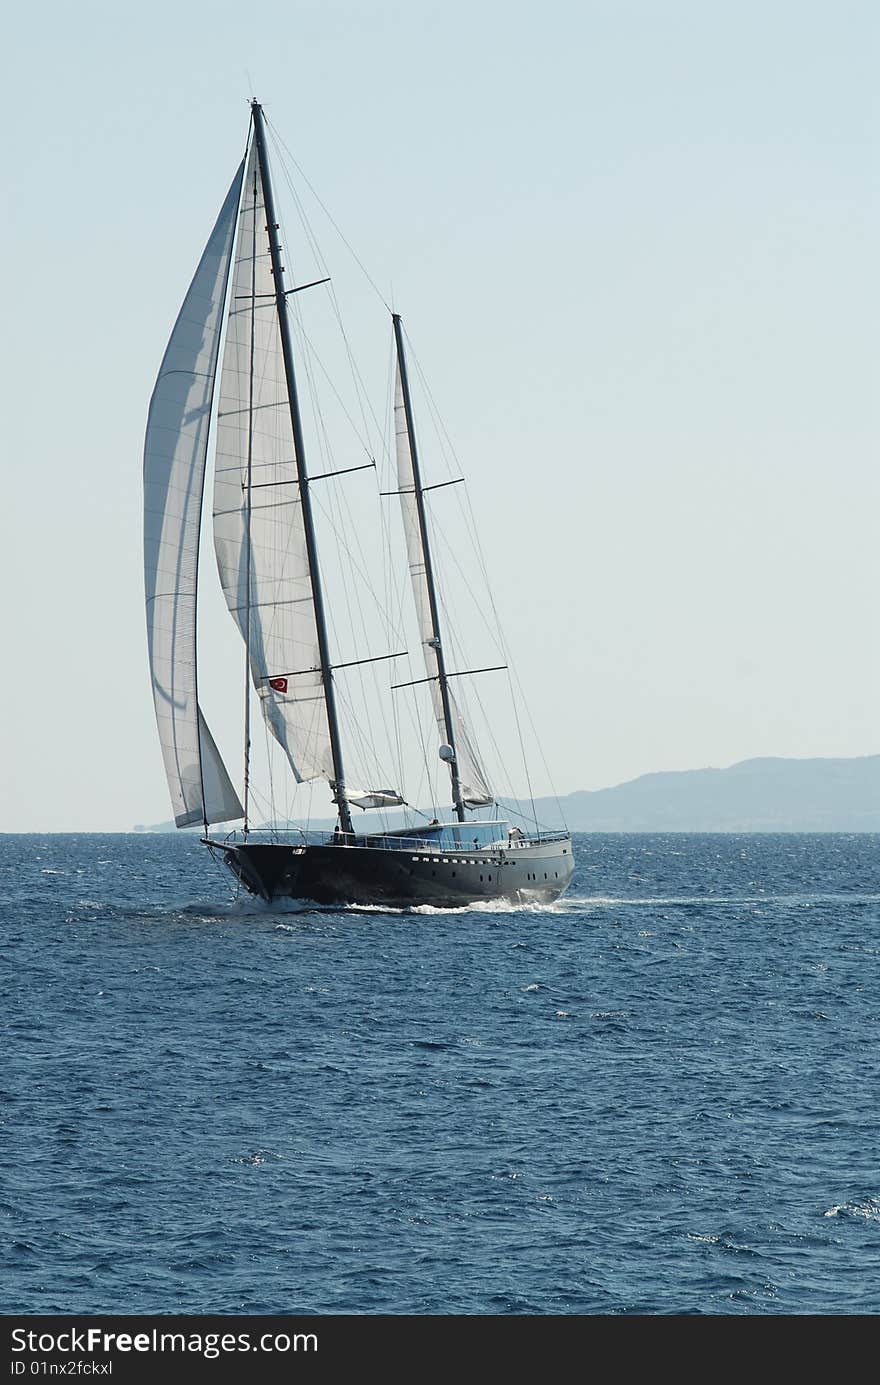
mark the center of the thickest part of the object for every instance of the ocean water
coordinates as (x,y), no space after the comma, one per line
(660,1095)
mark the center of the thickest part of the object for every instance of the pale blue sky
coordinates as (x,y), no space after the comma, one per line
(636,246)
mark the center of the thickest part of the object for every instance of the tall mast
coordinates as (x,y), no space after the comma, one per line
(338,783)
(436,642)
(248,511)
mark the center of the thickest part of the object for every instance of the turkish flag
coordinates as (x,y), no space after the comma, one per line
(279,684)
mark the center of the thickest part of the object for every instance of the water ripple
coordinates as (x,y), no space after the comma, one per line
(655,1096)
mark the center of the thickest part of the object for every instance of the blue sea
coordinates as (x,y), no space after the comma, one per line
(660,1095)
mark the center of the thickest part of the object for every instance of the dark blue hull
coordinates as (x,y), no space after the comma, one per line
(401,878)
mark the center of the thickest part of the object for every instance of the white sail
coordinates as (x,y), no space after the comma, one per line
(474,786)
(259,536)
(373,798)
(175,451)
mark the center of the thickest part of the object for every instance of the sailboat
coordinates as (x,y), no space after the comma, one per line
(227,389)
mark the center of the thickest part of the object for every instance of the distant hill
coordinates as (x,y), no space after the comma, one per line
(765,795)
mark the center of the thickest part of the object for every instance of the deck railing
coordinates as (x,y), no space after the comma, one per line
(387,841)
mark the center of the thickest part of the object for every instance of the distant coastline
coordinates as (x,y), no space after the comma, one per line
(770,794)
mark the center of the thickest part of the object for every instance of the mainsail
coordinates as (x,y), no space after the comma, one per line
(473,785)
(259,534)
(175,451)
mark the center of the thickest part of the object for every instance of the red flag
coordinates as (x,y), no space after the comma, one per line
(279,684)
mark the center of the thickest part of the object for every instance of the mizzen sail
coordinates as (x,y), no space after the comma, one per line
(473,785)
(175,453)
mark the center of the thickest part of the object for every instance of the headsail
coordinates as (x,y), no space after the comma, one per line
(259,535)
(175,451)
(473,785)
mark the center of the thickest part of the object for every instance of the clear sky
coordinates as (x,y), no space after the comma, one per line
(636,244)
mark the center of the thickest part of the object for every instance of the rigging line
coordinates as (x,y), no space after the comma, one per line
(336,503)
(514,681)
(336,525)
(270,764)
(332,498)
(540,748)
(446,447)
(360,729)
(278,439)
(367,760)
(487,728)
(523,817)
(443,433)
(361,393)
(307,357)
(311,355)
(371,675)
(524,757)
(500,772)
(363,440)
(494,634)
(326,212)
(235,887)
(353,559)
(465,506)
(391,614)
